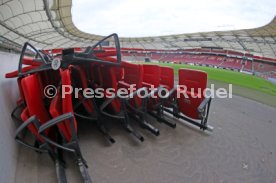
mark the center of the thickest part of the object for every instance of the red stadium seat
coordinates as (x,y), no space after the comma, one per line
(64,105)
(167,77)
(133,75)
(33,116)
(115,107)
(195,82)
(89,104)
(151,75)
(192,105)
(167,80)
(61,109)
(152,78)
(34,100)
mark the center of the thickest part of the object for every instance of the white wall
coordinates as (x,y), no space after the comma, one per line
(8,97)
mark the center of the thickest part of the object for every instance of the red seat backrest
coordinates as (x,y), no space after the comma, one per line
(119,73)
(49,77)
(80,81)
(34,100)
(196,82)
(151,74)
(64,105)
(31,88)
(167,77)
(79,76)
(193,79)
(110,81)
(133,75)
(109,77)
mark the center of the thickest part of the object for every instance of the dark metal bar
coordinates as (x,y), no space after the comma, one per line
(204,127)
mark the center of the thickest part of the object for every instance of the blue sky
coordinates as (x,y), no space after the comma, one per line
(163,17)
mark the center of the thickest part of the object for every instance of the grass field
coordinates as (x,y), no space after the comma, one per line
(235,78)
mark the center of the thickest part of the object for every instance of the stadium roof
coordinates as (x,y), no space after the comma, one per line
(48,24)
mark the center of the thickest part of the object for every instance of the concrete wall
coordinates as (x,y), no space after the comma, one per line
(8,97)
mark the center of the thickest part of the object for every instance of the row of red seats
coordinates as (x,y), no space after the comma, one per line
(53,121)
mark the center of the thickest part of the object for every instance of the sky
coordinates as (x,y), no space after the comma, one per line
(138,18)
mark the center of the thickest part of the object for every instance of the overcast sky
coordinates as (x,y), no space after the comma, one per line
(136,18)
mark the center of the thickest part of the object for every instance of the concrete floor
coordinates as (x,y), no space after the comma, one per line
(242,149)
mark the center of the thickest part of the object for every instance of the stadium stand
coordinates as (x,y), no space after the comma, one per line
(225,59)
